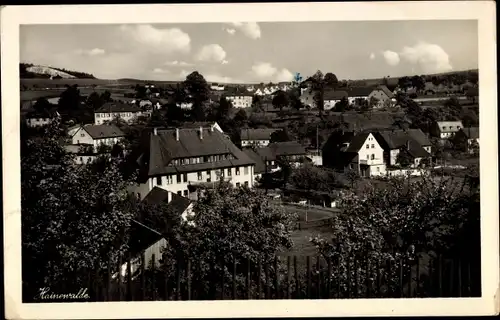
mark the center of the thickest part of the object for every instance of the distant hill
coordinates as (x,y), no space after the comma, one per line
(30,71)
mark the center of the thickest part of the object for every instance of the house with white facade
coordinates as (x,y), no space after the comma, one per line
(292,151)
(217,87)
(307,97)
(259,92)
(256,137)
(332,97)
(240,100)
(40,118)
(469,137)
(147,239)
(364,155)
(112,110)
(414,141)
(383,96)
(181,159)
(358,93)
(97,135)
(446,129)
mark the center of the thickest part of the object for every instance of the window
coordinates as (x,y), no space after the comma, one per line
(179,178)
(237,171)
(138,195)
(208,173)
(245,170)
(229,172)
(367,146)
(81,159)
(444,128)
(238,184)
(208,179)
(373,146)
(179,193)
(77,141)
(169,179)
(200,176)
(82,134)
(205,159)
(185,177)
(373,156)
(158,181)
(246,183)
(186,193)
(367,157)
(378,169)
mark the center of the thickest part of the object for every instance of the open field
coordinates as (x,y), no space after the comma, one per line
(311,213)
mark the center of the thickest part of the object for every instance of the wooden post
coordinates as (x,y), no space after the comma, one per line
(288,277)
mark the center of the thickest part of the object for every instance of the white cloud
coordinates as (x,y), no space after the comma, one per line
(284,75)
(160,70)
(225,62)
(231,31)
(91,52)
(250,29)
(219,78)
(177,63)
(429,57)
(391,57)
(264,70)
(372,56)
(211,52)
(183,74)
(164,40)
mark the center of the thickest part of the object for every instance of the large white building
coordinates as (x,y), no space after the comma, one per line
(181,159)
(446,129)
(41,118)
(256,137)
(112,110)
(240,100)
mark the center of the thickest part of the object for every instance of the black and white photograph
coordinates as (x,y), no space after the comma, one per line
(249,158)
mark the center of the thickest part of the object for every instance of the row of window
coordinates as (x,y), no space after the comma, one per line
(108,115)
(183,178)
(451,127)
(368,146)
(372,157)
(204,159)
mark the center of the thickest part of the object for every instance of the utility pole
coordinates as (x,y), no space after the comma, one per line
(265,174)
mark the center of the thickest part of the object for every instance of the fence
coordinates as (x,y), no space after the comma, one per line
(292,277)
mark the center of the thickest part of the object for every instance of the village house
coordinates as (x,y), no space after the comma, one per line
(383,95)
(358,93)
(240,100)
(145,104)
(256,137)
(291,151)
(364,155)
(97,135)
(307,97)
(82,154)
(217,87)
(469,137)
(446,129)
(39,118)
(147,240)
(176,159)
(415,142)
(112,110)
(260,165)
(332,97)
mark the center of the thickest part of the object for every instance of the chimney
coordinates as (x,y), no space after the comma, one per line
(177,134)
(155,131)
(212,128)
(201,133)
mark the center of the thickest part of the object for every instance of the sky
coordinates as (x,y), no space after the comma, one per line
(252,52)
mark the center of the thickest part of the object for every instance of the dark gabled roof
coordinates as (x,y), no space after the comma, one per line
(160,149)
(178,204)
(471,132)
(260,166)
(386,91)
(289,148)
(257,134)
(416,150)
(334,95)
(111,107)
(359,91)
(102,131)
(394,139)
(198,124)
(142,237)
(357,142)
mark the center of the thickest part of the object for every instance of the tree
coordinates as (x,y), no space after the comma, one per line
(318,88)
(140,91)
(331,80)
(404,83)
(309,177)
(404,159)
(453,106)
(342,105)
(402,219)
(174,114)
(257,102)
(352,176)
(95,101)
(280,100)
(418,82)
(42,104)
(223,110)
(281,136)
(72,219)
(240,117)
(198,90)
(249,230)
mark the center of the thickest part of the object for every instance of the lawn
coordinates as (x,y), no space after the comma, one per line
(302,245)
(312,213)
